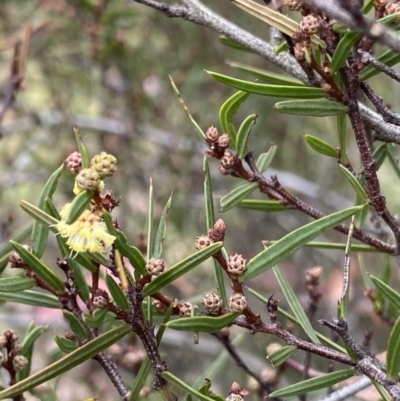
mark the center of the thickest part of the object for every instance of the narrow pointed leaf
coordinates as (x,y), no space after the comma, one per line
(355,184)
(210,221)
(390,58)
(39,267)
(343,50)
(65,364)
(39,215)
(181,268)
(80,280)
(40,231)
(301,92)
(150,222)
(342,247)
(315,383)
(29,297)
(78,205)
(390,294)
(281,355)
(380,154)
(393,351)
(262,205)
(82,148)
(367,7)
(226,113)
(265,159)
(97,318)
(67,346)
(161,231)
(133,254)
(267,76)
(19,237)
(293,241)
(391,155)
(76,326)
(16,283)
(295,305)
(116,293)
(234,45)
(196,126)
(243,135)
(320,146)
(341,129)
(179,383)
(51,209)
(235,196)
(313,108)
(203,324)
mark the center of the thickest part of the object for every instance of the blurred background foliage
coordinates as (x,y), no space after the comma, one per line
(103,65)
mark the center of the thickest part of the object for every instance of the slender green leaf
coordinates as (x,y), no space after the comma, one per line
(236,195)
(262,205)
(226,113)
(294,240)
(203,324)
(116,293)
(390,58)
(179,383)
(133,254)
(390,294)
(40,231)
(384,275)
(367,7)
(392,159)
(150,222)
(39,215)
(210,220)
(265,159)
(301,92)
(162,229)
(341,129)
(343,50)
(295,305)
(360,191)
(16,283)
(393,351)
(51,209)
(281,355)
(67,346)
(181,268)
(68,362)
(243,136)
(78,206)
(76,325)
(19,237)
(382,392)
(82,148)
(97,318)
(380,154)
(315,383)
(196,126)
(234,45)
(267,76)
(34,298)
(80,281)
(311,107)
(342,247)
(275,19)
(320,146)
(39,267)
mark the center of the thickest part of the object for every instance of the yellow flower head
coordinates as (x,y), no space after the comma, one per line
(87,234)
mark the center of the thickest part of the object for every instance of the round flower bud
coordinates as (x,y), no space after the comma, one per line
(217,233)
(185,310)
(212,302)
(87,178)
(99,301)
(212,134)
(234,397)
(228,160)
(159,306)
(223,141)
(392,8)
(237,302)
(74,162)
(203,242)
(19,362)
(236,265)
(155,267)
(293,5)
(309,24)
(105,164)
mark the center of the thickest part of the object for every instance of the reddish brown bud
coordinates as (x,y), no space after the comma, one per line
(74,162)
(212,134)
(223,141)
(217,233)
(309,24)
(228,160)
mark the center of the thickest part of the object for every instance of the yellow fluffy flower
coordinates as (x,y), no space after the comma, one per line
(87,234)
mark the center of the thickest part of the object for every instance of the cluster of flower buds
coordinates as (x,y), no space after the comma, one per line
(202,242)
(217,143)
(9,340)
(185,309)
(212,303)
(102,166)
(392,8)
(293,5)
(236,265)
(237,302)
(155,267)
